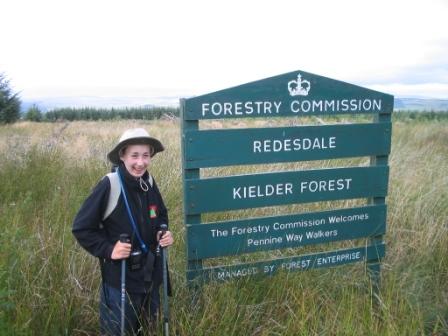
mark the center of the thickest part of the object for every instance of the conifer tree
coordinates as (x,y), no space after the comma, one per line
(33,114)
(9,102)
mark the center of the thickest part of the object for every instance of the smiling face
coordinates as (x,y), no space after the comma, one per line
(136,159)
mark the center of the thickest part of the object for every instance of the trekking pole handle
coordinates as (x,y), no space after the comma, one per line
(125,238)
(163,228)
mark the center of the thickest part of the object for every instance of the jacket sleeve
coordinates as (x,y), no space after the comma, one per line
(87,227)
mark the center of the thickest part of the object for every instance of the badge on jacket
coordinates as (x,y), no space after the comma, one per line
(153,211)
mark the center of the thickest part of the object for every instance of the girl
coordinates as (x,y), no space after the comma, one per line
(139,212)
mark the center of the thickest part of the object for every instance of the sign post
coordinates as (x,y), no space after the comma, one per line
(292,95)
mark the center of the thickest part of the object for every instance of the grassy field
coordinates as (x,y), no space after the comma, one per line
(50,286)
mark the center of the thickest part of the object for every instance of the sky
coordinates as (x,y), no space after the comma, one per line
(181,48)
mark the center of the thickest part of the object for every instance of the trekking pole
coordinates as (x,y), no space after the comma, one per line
(163,228)
(124,238)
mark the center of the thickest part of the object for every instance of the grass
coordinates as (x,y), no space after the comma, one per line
(49,285)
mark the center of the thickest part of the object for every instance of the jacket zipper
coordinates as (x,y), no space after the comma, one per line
(142,212)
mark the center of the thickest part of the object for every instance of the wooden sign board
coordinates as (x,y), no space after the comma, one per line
(293,95)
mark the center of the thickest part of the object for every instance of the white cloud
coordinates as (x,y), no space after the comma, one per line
(428,90)
(200,46)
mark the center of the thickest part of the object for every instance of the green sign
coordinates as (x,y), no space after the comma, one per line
(293,95)
(296,93)
(271,233)
(291,264)
(261,190)
(212,148)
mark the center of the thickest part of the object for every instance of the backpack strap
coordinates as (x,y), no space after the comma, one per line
(115,192)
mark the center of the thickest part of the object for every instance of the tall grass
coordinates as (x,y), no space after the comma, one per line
(49,285)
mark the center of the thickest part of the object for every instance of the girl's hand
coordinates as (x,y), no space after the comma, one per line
(121,251)
(166,240)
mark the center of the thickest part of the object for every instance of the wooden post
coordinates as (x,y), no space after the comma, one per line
(195,219)
(374,266)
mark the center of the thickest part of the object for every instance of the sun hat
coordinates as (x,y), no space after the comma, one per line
(134,136)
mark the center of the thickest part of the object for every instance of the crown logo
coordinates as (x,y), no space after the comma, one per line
(299,87)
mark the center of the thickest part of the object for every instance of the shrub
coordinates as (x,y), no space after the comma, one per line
(33,114)
(9,102)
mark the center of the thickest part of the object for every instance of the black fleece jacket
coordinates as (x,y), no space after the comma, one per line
(98,237)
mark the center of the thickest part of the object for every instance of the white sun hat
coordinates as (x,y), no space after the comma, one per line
(134,136)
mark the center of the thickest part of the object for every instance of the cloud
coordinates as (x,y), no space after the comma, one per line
(427,90)
(106,46)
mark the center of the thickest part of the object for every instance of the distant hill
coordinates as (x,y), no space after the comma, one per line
(421,104)
(51,103)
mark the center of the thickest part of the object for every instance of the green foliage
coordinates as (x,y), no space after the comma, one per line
(419,115)
(87,113)
(9,102)
(33,114)
(50,286)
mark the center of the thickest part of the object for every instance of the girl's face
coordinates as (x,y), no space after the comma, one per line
(136,159)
